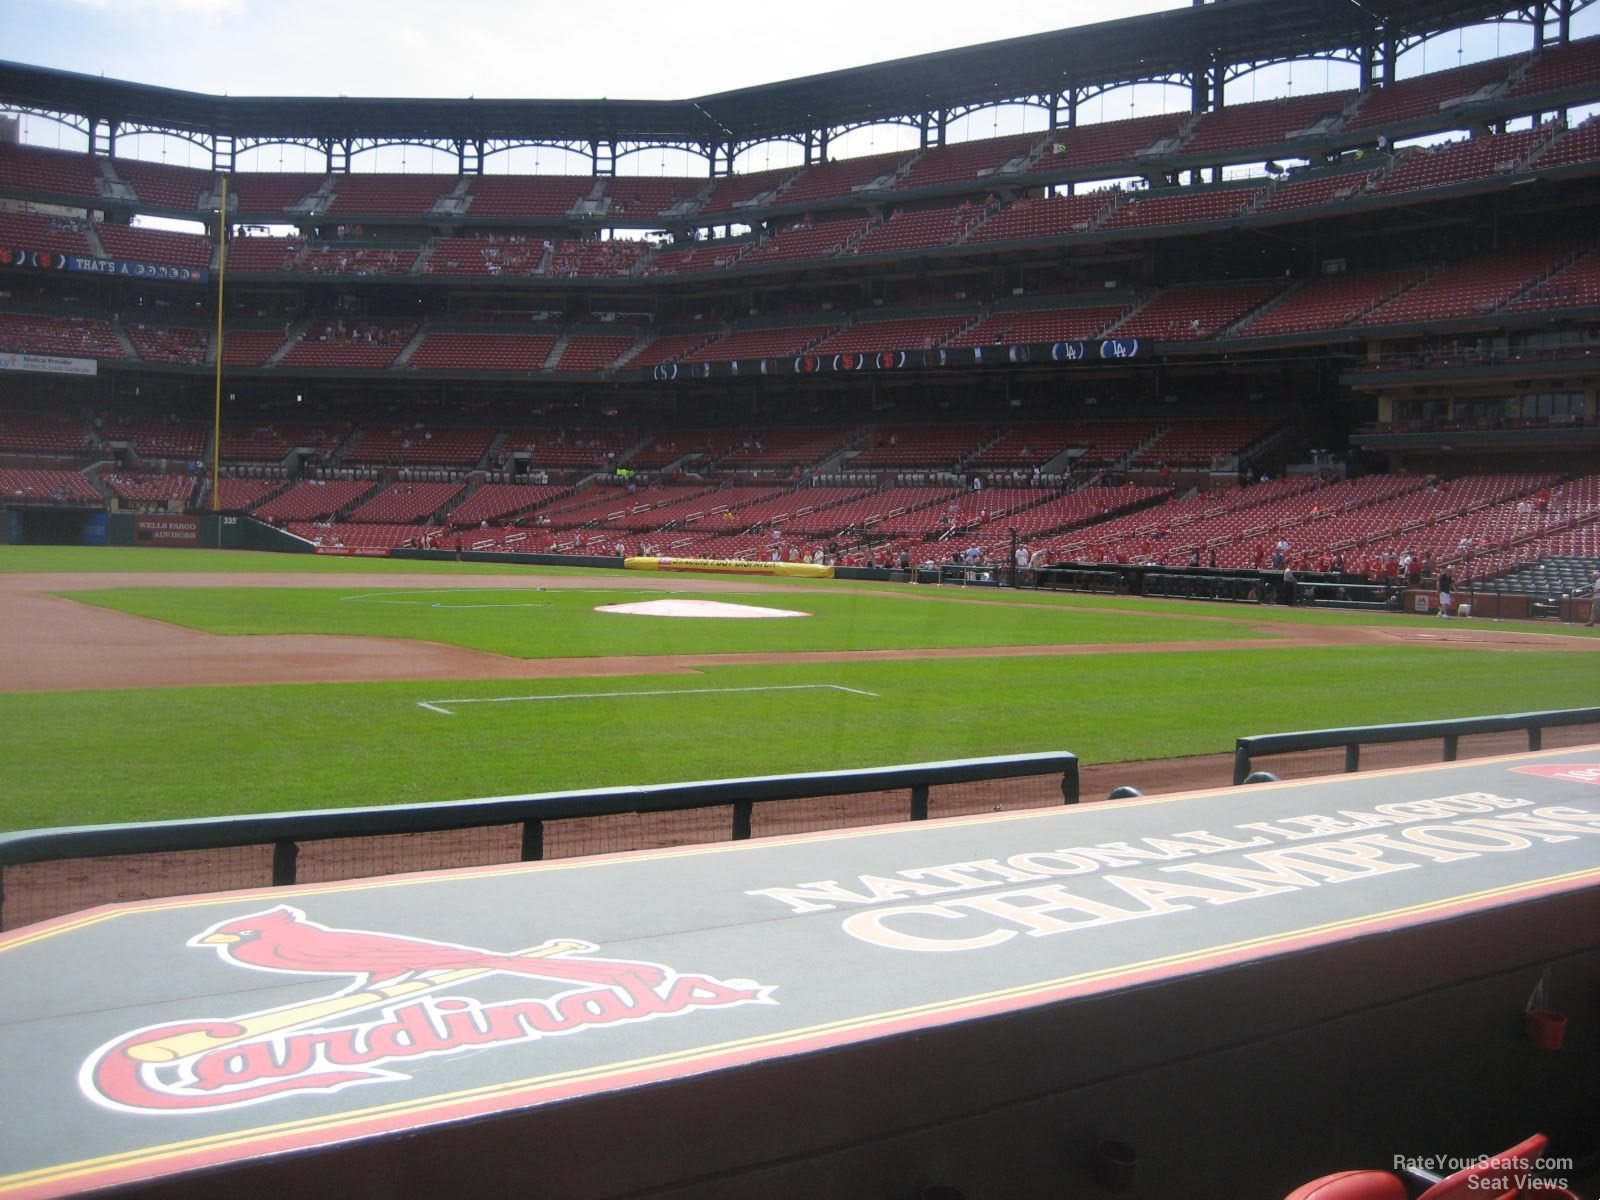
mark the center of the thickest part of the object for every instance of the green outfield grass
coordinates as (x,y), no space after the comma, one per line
(537,623)
(87,757)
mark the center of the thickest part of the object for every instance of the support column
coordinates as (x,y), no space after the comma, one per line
(224,154)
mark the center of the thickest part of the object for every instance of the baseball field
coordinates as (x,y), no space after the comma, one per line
(144,684)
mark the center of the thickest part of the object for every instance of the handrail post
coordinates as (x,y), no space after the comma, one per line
(532,840)
(1071,789)
(919,802)
(1241,763)
(1352,758)
(743,810)
(285,859)
(1452,745)
(1535,737)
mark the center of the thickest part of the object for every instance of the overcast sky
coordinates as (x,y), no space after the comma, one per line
(623,49)
(495,48)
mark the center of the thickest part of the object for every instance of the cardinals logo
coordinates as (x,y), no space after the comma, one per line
(390,1012)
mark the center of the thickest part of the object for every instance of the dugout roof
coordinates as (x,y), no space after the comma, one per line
(1089,57)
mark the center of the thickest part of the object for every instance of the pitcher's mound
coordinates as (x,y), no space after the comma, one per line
(698,608)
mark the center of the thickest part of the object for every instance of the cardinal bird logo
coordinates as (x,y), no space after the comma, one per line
(394,1010)
(283,939)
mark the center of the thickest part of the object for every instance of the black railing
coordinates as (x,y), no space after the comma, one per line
(1248,749)
(286,832)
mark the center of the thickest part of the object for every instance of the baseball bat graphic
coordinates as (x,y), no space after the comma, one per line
(253,1025)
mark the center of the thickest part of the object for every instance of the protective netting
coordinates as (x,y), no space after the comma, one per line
(1305,764)
(38,891)
(35,892)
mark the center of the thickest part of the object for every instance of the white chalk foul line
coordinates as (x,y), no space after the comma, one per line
(387,598)
(438,705)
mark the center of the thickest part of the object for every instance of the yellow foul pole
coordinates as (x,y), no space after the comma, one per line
(216,425)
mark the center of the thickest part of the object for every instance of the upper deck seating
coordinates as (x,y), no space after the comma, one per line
(591,352)
(1331,301)
(1177,208)
(159,185)
(169,343)
(1103,143)
(1319,189)
(1424,95)
(903,333)
(670,347)
(274,255)
(1179,314)
(160,246)
(1575,286)
(1056,216)
(527,195)
(387,195)
(1580,145)
(347,259)
(732,191)
(31,231)
(268,193)
(73,337)
(494,255)
(648,196)
(1559,67)
(482,352)
(806,239)
(1462,162)
(1025,326)
(367,345)
(682,260)
(963,162)
(594,258)
(250,347)
(787,448)
(929,227)
(439,445)
(931,446)
(56,172)
(767,342)
(1262,123)
(1473,288)
(841,177)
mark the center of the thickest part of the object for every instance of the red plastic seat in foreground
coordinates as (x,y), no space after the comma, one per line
(1352,1185)
(1502,1177)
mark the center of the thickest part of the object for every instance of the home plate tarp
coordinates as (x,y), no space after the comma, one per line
(149,1040)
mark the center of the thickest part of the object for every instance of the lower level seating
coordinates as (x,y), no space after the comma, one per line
(50,486)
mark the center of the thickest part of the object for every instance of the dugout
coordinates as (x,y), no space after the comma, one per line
(54,525)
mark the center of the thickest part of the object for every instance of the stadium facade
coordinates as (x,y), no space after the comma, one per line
(1404,273)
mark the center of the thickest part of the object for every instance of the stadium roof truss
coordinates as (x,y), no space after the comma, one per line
(1200,48)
